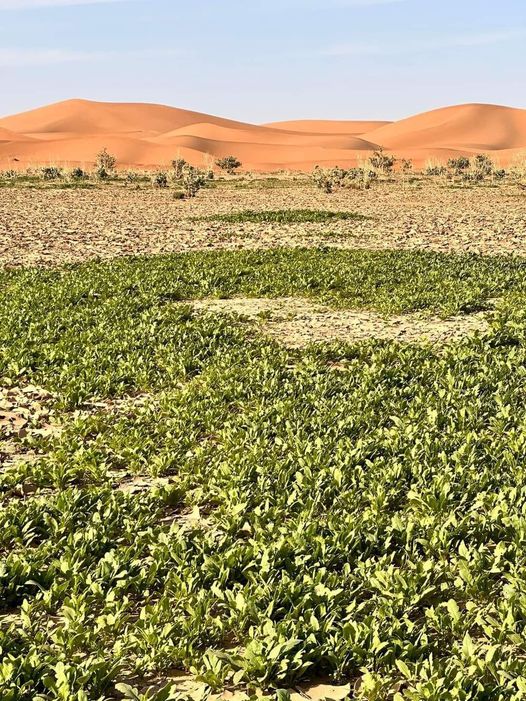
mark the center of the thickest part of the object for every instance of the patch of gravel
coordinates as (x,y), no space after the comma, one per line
(47,227)
(297,322)
(25,413)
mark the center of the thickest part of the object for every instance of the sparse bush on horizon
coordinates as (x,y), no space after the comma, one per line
(178,165)
(458,165)
(105,164)
(78,174)
(160,179)
(193,180)
(382,162)
(50,173)
(229,164)
(330,179)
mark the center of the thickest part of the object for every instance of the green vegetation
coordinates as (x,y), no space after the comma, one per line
(229,164)
(351,511)
(282,216)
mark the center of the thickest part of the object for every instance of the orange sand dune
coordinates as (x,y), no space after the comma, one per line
(147,135)
(328,126)
(464,127)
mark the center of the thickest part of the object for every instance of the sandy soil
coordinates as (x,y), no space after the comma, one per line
(147,135)
(297,322)
(52,226)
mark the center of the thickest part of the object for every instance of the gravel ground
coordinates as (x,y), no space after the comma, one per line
(48,226)
(297,322)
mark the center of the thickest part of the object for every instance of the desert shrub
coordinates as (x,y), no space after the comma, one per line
(382,162)
(160,179)
(178,165)
(229,164)
(104,164)
(458,165)
(131,177)
(50,173)
(482,165)
(193,180)
(327,179)
(78,174)
(330,179)
(179,195)
(435,170)
(105,160)
(9,175)
(499,174)
(406,166)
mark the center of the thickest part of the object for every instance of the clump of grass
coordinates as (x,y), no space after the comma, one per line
(282,216)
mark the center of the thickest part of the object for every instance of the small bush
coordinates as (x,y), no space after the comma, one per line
(50,173)
(483,165)
(326,179)
(160,179)
(229,164)
(382,162)
(406,166)
(9,175)
(193,180)
(458,165)
(435,170)
(178,166)
(105,160)
(132,177)
(329,179)
(179,195)
(78,174)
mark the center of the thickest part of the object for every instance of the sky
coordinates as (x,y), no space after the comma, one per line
(265,60)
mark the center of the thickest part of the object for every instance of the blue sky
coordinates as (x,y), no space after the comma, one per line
(262,60)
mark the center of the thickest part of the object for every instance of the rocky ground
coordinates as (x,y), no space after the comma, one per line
(48,226)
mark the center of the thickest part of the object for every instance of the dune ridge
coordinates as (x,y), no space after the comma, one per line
(149,135)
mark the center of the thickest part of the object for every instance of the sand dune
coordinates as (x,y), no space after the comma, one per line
(328,126)
(147,135)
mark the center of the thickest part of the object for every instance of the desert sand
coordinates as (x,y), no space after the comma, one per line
(147,135)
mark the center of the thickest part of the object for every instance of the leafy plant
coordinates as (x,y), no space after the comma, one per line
(160,179)
(192,180)
(229,164)
(284,216)
(382,162)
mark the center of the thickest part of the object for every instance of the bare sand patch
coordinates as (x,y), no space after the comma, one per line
(297,322)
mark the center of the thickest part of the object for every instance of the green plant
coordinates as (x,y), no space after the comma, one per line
(285,216)
(382,162)
(192,180)
(178,166)
(229,164)
(458,165)
(78,174)
(105,164)
(160,179)
(483,166)
(51,173)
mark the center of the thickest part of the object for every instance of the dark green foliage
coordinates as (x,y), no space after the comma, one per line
(283,216)
(229,164)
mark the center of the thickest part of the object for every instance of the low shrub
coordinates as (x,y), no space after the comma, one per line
(160,179)
(229,164)
(178,165)
(50,173)
(193,180)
